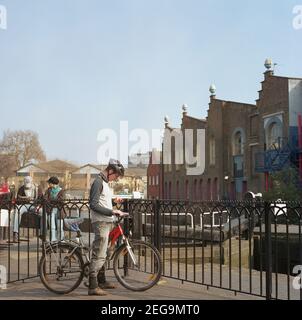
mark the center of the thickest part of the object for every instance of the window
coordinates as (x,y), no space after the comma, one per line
(237,144)
(177,190)
(157,180)
(238,166)
(274,134)
(212,151)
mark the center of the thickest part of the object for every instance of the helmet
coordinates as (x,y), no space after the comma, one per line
(116,166)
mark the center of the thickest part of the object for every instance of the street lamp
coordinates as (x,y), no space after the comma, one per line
(226,179)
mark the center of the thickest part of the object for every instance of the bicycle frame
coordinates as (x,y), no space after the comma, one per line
(73,257)
(115,234)
(78,243)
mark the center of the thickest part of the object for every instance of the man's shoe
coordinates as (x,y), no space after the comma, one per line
(107,285)
(96,292)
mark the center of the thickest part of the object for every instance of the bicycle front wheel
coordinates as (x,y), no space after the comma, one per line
(137,268)
(61,268)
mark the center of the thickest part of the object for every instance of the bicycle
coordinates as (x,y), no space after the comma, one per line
(136,264)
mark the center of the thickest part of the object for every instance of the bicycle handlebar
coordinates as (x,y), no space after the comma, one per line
(122,218)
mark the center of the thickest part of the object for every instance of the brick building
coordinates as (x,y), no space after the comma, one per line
(244,143)
(154,176)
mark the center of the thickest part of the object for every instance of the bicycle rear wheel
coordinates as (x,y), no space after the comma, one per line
(61,268)
(138,268)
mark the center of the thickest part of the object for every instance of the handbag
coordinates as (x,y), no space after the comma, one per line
(31,220)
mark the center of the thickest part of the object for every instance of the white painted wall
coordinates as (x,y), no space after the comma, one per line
(295,100)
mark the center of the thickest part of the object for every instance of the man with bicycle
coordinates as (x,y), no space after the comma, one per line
(102,217)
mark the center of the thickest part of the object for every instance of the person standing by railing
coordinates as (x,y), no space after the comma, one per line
(102,216)
(27,193)
(54,209)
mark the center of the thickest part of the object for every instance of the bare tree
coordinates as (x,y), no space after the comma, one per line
(8,166)
(23,145)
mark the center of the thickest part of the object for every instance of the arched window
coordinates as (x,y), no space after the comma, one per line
(237,144)
(212,151)
(274,134)
(238,140)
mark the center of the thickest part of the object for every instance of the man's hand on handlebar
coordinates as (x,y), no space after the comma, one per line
(120,213)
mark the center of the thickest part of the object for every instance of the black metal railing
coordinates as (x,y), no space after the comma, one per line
(246,247)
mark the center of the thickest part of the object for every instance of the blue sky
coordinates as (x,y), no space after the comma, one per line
(69,68)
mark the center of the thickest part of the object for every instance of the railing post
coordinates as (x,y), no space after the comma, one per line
(44,221)
(157,225)
(126,221)
(126,231)
(268,250)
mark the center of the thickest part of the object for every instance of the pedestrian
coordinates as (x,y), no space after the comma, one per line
(54,209)
(102,217)
(28,197)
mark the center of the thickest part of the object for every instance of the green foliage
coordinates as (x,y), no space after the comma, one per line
(285,186)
